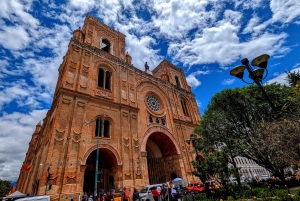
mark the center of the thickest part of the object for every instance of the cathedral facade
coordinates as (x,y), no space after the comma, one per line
(137,120)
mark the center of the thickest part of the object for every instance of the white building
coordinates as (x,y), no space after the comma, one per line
(248,168)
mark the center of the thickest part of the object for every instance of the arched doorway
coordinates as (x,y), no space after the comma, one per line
(108,168)
(162,158)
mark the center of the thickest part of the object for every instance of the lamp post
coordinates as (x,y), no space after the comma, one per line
(49,176)
(97,153)
(193,138)
(256,75)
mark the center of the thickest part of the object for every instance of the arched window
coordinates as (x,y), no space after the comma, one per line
(100,77)
(177,81)
(107,80)
(98,127)
(106,128)
(184,108)
(105,45)
(104,79)
(103,127)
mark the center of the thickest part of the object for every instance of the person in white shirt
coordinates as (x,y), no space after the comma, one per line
(159,191)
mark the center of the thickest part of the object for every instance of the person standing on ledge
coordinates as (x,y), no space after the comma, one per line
(146,66)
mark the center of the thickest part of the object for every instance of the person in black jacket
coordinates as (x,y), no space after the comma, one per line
(136,195)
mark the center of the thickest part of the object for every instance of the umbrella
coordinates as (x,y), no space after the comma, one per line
(16,194)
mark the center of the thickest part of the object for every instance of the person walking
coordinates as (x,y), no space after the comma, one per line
(163,192)
(125,194)
(135,195)
(168,193)
(155,193)
(159,191)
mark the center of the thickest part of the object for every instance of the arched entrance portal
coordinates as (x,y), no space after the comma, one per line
(162,158)
(108,168)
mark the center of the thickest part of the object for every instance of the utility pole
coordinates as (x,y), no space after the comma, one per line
(49,176)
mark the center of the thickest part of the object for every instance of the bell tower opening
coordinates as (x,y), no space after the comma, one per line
(105,46)
(162,158)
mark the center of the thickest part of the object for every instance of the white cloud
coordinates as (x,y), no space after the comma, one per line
(248,4)
(285,11)
(14,37)
(16,11)
(222,45)
(297,65)
(282,78)
(14,140)
(192,81)
(175,18)
(141,51)
(255,27)
(228,81)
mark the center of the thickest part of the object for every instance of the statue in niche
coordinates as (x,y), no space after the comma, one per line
(146,66)
(163,122)
(157,120)
(150,119)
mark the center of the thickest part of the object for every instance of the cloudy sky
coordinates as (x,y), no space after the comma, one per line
(204,37)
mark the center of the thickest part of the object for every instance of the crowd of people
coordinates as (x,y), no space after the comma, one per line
(164,192)
(103,196)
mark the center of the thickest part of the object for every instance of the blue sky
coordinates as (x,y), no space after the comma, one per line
(204,37)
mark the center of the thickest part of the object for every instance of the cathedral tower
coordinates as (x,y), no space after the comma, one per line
(142,118)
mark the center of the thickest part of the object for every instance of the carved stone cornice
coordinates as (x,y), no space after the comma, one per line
(116,60)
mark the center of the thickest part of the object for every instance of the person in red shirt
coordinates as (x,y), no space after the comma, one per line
(125,195)
(155,193)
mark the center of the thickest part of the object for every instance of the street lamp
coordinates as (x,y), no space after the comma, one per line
(256,75)
(97,155)
(193,138)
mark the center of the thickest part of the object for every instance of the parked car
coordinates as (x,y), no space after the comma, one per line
(264,177)
(196,187)
(145,193)
(249,180)
(233,180)
(213,184)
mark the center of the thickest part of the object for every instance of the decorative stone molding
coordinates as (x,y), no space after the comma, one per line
(138,175)
(144,154)
(106,94)
(66,100)
(81,104)
(82,168)
(126,142)
(59,134)
(76,137)
(127,176)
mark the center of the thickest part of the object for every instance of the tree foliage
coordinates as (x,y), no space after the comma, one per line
(241,123)
(293,78)
(4,187)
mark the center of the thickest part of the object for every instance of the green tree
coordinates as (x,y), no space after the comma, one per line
(4,187)
(242,123)
(293,78)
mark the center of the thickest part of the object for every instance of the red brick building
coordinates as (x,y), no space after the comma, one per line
(144,119)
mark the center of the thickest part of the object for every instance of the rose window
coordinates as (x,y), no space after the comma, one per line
(153,103)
